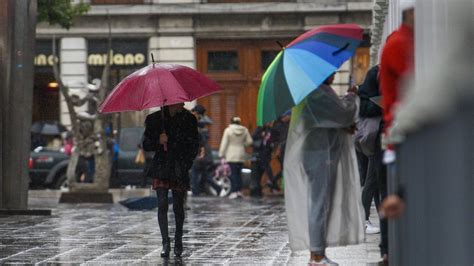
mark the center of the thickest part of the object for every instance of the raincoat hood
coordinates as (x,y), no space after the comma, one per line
(237,130)
(233,143)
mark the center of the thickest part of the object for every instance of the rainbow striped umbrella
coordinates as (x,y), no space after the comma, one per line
(303,65)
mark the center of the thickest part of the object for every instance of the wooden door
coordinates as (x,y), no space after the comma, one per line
(237,65)
(360,64)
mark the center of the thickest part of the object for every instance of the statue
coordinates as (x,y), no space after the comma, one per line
(88,143)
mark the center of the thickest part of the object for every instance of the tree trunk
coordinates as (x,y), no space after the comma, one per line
(101,154)
(103,165)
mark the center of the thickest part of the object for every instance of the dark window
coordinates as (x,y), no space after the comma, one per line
(267,58)
(222,61)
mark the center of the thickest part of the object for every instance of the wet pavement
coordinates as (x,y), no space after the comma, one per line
(217,231)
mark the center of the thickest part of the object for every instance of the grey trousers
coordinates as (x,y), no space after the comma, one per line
(321,188)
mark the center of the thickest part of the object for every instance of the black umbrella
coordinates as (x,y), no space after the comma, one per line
(205,120)
(48,128)
(140,203)
(144,203)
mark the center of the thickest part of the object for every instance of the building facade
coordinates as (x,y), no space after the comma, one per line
(231,41)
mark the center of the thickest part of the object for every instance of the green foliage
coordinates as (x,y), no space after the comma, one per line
(60,12)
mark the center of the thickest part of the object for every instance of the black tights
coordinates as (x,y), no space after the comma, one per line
(178,208)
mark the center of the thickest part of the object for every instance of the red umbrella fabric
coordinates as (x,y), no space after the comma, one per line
(158,85)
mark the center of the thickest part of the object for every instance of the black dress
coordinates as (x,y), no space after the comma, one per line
(170,168)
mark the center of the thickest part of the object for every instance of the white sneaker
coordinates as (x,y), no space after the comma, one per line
(239,194)
(371,229)
(222,193)
(233,195)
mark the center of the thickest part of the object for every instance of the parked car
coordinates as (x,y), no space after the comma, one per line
(127,172)
(48,167)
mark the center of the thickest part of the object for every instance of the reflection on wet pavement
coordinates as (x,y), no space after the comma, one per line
(217,231)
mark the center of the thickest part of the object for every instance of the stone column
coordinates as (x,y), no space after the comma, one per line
(173,50)
(17,45)
(73,68)
(379,14)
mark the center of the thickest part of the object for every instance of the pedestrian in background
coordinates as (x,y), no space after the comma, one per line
(280,134)
(232,149)
(367,139)
(263,145)
(173,136)
(68,143)
(200,171)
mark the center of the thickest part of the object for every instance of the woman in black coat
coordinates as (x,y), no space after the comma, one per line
(175,141)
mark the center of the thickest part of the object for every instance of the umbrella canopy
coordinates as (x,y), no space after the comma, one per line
(302,66)
(158,85)
(48,128)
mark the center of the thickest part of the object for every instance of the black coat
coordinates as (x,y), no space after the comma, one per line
(182,147)
(369,89)
(261,151)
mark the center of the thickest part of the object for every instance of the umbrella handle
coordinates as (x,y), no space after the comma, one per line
(165,146)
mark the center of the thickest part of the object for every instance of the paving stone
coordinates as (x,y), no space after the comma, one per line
(217,232)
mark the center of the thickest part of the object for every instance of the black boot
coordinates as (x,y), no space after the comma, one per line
(178,208)
(165,252)
(178,246)
(162,195)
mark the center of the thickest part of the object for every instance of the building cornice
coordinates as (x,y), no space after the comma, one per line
(235,8)
(145,19)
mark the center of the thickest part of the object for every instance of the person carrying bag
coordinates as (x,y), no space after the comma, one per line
(367,141)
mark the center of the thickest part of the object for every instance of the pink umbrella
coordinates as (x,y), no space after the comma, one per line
(158,85)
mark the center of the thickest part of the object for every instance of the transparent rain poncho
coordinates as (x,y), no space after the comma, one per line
(322,186)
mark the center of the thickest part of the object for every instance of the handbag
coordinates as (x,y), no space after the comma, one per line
(223,169)
(140,157)
(368,129)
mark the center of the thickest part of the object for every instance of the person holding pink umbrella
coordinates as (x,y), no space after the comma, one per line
(171,133)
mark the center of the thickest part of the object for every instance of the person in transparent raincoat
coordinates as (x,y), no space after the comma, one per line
(322,186)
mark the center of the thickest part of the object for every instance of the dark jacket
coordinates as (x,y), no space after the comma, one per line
(369,89)
(262,150)
(182,147)
(280,132)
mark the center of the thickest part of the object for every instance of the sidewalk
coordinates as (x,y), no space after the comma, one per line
(217,231)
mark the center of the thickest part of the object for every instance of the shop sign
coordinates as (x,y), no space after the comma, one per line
(125,52)
(45,60)
(118,59)
(44,55)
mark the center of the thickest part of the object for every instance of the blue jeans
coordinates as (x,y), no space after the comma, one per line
(236,176)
